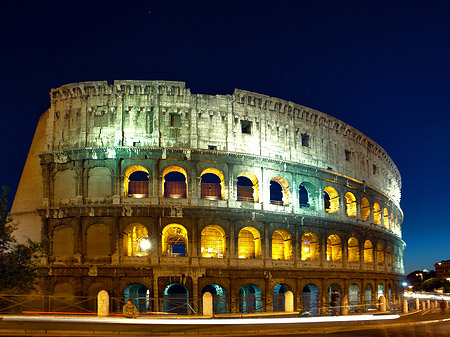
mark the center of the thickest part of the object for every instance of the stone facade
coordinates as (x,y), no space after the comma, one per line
(144,187)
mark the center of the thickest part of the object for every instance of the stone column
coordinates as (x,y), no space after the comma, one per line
(405,306)
(344,304)
(417,304)
(207,304)
(382,302)
(289,301)
(103,303)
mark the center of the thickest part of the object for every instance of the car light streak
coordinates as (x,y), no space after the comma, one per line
(201,321)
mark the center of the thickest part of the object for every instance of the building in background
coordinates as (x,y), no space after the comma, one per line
(149,191)
(442,269)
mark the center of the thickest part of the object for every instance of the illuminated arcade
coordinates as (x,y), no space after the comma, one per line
(149,191)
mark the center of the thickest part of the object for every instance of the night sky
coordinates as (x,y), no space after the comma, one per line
(381,66)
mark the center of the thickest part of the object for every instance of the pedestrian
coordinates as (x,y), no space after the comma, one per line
(443,306)
(129,310)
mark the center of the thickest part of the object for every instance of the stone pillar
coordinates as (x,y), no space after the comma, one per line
(424,305)
(417,304)
(289,301)
(382,302)
(103,303)
(405,306)
(344,304)
(428,304)
(207,304)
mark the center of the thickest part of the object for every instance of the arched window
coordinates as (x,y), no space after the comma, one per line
(281,245)
(247,187)
(176,299)
(386,218)
(353,298)
(376,214)
(249,243)
(389,256)
(219,297)
(62,241)
(279,191)
(213,242)
(310,247)
(311,299)
(368,297)
(279,297)
(368,251)
(135,240)
(94,246)
(303,196)
(212,184)
(353,250)
(365,209)
(99,182)
(380,253)
(334,248)
(136,182)
(174,183)
(250,299)
(331,200)
(175,240)
(350,204)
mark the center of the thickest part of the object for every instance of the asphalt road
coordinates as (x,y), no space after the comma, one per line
(416,325)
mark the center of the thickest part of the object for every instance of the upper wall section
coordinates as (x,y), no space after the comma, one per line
(166,114)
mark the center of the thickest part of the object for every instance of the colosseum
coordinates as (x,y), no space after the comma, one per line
(153,193)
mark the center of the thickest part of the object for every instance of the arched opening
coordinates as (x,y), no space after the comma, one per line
(175,240)
(365,209)
(386,218)
(389,294)
(94,246)
(281,245)
(310,247)
(368,251)
(392,227)
(331,200)
(136,182)
(279,299)
(311,300)
(139,295)
(303,196)
(334,298)
(389,256)
(368,297)
(353,250)
(276,193)
(135,240)
(350,205)
(376,214)
(219,297)
(334,248)
(99,182)
(250,299)
(247,187)
(62,241)
(176,299)
(174,183)
(279,191)
(380,253)
(212,184)
(380,291)
(353,298)
(92,292)
(249,243)
(213,242)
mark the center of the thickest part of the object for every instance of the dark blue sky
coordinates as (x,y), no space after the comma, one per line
(380,66)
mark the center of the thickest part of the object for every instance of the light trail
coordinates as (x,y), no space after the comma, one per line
(201,321)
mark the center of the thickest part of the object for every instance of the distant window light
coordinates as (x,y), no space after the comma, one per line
(348,155)
(305,139)
(246,127)
(374,167)
(175,120)
(212,147)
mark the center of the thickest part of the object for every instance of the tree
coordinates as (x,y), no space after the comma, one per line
(19,264)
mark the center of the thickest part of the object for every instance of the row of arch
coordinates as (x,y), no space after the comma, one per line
(176,298)
(213,244)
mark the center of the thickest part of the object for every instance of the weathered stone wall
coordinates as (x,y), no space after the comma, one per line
(166,114)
